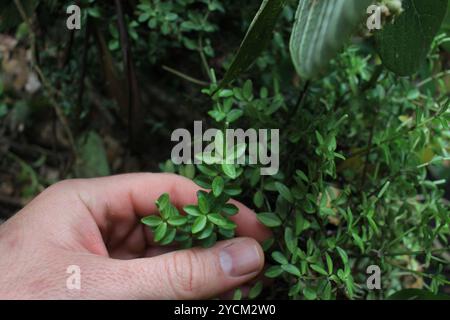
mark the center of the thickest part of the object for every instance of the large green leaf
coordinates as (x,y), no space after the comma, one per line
(404,44)
(258,36)
(320,30)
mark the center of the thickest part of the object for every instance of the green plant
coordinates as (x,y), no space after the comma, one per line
(355,147)
(202,223)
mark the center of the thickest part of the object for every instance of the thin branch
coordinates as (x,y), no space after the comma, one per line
(434,77)
(186,77)
(132,84)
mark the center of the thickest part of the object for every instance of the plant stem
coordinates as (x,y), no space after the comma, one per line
(186,77)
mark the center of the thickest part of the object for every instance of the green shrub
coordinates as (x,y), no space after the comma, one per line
(353,189)
(359,141)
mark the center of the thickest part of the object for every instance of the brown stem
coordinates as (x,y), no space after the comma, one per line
(134,110)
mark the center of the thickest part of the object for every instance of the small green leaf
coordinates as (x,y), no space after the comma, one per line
(177,221)
(290,240)
(258,199)
(230,225)
(207,231)
(199,224)
(229,170)
(152,221)
(284,192)
(226,93)
(192,210)
(169,237)
(383,190)
(217,219)
(169,211)
(160,232)
(210,241)
(218,185)
(329,263)
(248,90)
(309,293)
(269,219)
(267,244)
(233,191)
(203,203)
(279,257)
(302,175)
(273,272)
(234,114)
(230,209)
(94,12)
(207,170)
(163,201)
(290,268)
(237,294)
(319,269)
(343,255)
(227,233)
(255,291)
(189,171)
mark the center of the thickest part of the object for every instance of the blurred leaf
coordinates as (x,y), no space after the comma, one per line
(92,160)
(255,290)
(320,30)
(404,44)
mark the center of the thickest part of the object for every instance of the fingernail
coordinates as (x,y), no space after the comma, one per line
(240,258)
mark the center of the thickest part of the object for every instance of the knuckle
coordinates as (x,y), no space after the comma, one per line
(185,272)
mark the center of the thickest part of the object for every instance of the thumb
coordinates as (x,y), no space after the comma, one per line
(195,273)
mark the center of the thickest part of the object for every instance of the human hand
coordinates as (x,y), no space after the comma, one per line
(95,224)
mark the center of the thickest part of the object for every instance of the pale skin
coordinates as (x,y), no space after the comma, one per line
(95,224)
